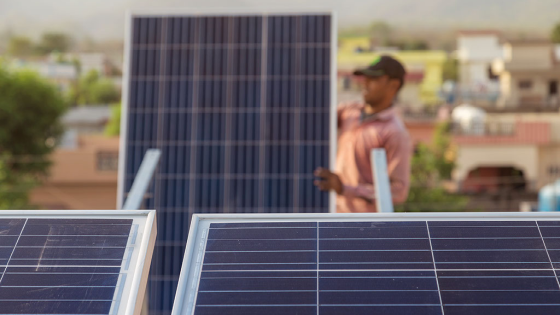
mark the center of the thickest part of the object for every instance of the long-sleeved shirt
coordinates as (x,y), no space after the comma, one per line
(357,137)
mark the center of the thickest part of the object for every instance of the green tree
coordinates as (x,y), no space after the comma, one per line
(430,165)
(381,32)
(20,47)
(30,111)
(113,128)
(54,42)
(93,89)
(443,151)
(104,92)
(555,34)
(426,193)
(451,70)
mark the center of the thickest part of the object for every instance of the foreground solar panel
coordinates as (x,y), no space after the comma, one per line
(421,264)
(74,262)
(242,108)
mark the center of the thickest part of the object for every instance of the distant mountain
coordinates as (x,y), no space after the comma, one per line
(105,18)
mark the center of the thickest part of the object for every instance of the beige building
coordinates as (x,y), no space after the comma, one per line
(528,143)
(529,75)
(83,177)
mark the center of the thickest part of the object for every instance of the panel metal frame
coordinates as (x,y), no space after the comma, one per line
(194,252)
(131,14)
(141,244)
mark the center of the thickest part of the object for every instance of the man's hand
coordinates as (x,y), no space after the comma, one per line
(330,181)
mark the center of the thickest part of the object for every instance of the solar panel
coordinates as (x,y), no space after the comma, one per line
(241,106)
(74,262)
(422,264)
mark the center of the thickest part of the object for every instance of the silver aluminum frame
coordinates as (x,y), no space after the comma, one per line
(194,252)
(227,12)
(383,196)
(142,180)
(137,257)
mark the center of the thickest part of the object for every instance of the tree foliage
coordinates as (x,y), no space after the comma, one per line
(451,70)
(93,89)
(429,166)
(54,42)
(20,47)
(113,128)
(380,31)
(30,111)
(555,34)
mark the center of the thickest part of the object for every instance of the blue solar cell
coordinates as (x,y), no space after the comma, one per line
(375,244)
(502,310)
(393,310)
(263,233)
(488,243)
(379,297)
(491,283)
(255,310)
(55,307)
(374,232)
(380,267)
(70,229)
(42,274)
(57,293)
(257,283)
(221,97)
(69,253)
(256,298)
(484,232)
(501,297)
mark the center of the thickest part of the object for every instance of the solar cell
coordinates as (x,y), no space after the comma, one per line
(241,106)
(72,262)
(372,264)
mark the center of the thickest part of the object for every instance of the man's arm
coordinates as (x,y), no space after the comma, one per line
(398,149)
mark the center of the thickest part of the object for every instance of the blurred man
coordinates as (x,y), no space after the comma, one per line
(363,127)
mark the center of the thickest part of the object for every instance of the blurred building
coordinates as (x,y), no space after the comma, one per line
(62,75)
(83,177)
(87,119)
(424,71)
(84,171)
(529,75)
(476,51)
(508,155)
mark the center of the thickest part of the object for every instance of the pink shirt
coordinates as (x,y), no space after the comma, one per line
(355,141)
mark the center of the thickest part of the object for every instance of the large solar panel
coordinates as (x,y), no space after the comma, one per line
(242,108)
(74,262)
(421,264)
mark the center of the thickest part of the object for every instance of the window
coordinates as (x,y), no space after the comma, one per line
(554,170)
(491,75)
(108,161)
(525,84)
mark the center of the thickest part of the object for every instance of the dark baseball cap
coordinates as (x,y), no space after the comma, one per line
(384,65)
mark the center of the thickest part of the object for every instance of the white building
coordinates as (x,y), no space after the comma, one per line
(476,51)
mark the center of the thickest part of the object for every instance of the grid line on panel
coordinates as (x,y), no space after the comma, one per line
(297,134)
(234,77)
(435,267)
(263,81)
(194,124)
(13,250)
(318,249)
(161,105)
(229,87)
(548,255)
(238,45)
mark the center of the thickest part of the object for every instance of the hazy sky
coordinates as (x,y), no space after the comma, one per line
(105,18)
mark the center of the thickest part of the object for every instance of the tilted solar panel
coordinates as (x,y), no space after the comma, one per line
(74,262)
(242,107)
(422,264)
